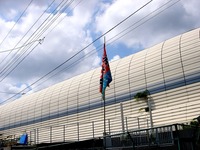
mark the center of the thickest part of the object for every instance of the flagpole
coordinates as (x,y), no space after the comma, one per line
(104,123)
(104,111)
(105,80)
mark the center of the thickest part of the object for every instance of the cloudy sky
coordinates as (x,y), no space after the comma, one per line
(61,38)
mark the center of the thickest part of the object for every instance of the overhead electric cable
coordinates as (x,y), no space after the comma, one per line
(107,44)
(53,18)
(82,49)
(120,36)
(13,49)
(40,42)
(15,23)
(62,8)
(9,64)
(110,41)
(114,37)
(7,92)
(62,19)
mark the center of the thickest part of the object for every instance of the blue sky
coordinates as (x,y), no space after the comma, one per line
(70,29)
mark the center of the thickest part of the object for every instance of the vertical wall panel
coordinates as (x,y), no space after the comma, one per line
(169,70)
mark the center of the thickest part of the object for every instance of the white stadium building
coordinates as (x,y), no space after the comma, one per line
(73,110)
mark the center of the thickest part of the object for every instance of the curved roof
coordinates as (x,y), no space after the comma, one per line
(168,65)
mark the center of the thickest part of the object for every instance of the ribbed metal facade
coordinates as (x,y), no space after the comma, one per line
(169,70)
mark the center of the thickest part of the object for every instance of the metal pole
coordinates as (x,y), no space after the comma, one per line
(51,134)
(37,135)
(126,124)
(150,113)
(78,130)
(122,117)
(93,128)
(29,138)
(138,122)
(147,123)
(104,114)
(64,133)
(104,110)
(34,136)
(109,126)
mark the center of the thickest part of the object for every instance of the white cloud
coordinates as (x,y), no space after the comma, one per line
(70,36)
(175,20)
(78,29)
(116,57)
(9,90)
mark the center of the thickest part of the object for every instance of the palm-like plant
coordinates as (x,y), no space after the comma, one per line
(141,95)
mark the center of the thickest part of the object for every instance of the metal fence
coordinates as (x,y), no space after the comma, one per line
(178,136)
(161,136)
(83,131)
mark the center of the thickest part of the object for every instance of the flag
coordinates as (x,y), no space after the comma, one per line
(105,77)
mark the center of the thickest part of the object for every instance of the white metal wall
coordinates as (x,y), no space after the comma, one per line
(169,70)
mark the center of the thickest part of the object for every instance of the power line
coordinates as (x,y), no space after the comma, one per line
(62,7)
(15,24)
(62,19)
(40,42)
(91,52)
(12,29)
(13,49)
(82,49)
(148,19)
(8,92)
(9,63)
(118,37)
(11,60)
(42,28)
(113,39)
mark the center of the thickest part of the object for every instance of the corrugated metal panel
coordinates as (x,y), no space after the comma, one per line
(169,70)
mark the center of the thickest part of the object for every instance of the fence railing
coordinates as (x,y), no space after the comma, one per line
(83,131)
(140,138)
(159,137)
(170,135)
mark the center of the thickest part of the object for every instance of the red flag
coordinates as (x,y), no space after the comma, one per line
(106,76)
